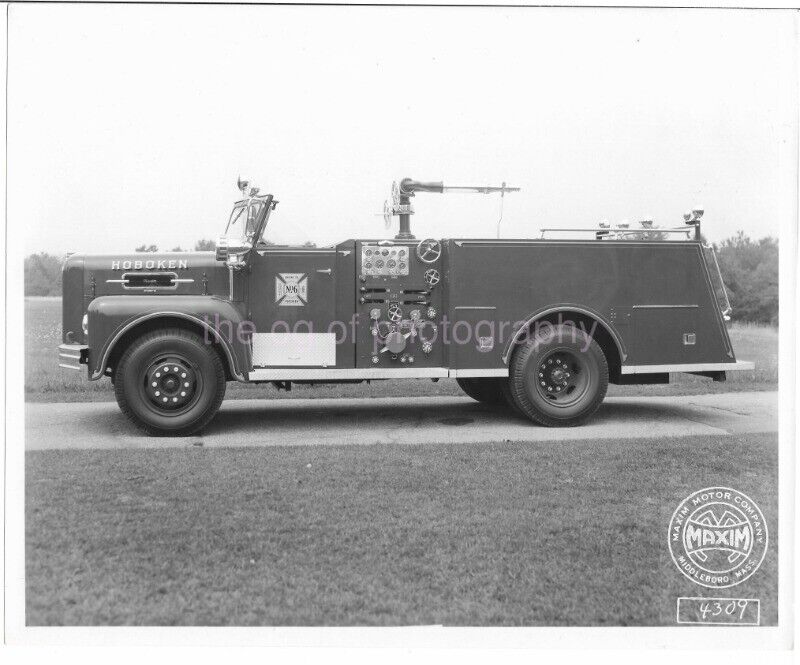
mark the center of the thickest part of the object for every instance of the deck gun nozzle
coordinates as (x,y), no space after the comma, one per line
(402,193)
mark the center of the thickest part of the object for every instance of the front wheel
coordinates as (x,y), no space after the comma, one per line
(560,378)
(169,383)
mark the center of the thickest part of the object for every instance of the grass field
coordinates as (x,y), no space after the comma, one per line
(45,381)
(500,534)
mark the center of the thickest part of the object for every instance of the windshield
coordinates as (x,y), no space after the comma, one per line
(244,219)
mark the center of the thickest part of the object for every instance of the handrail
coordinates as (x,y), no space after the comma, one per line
(728,309)
(609,231)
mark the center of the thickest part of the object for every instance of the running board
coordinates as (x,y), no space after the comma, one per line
(367,373)
(696,367)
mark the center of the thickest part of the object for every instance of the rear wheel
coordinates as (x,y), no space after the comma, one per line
(169,383)
(486,390)
(559,379)
(508,397)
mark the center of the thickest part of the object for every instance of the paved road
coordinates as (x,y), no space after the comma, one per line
(429,420)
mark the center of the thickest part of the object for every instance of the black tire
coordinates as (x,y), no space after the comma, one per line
(559,379)
(508,397)
(169,383)
(486,390)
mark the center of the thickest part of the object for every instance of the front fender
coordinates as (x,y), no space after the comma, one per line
(114,318)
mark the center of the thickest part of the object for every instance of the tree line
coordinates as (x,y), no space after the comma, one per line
(749,269)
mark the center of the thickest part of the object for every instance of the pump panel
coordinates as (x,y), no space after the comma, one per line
(399,305)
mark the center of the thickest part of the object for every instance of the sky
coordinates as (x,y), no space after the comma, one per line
(130,124)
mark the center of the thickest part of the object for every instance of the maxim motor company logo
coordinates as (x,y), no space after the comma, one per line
(718,537)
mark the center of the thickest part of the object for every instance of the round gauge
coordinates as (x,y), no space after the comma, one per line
(367,265)
(402,252)
(385,252)
(402,266)
(391,263)
(379,263)
(368,252)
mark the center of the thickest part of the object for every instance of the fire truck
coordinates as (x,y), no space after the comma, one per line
(541,325)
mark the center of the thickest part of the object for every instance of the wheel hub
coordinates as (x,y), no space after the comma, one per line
(170,383)
(555,375)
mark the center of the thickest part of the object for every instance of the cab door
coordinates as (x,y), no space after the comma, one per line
(292,298)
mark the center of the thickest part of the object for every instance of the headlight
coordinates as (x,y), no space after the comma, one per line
(85,324)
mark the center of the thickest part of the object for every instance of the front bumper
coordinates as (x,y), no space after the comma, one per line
(72,356)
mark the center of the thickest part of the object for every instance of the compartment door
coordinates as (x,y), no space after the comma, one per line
(668,334)
(292,299)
